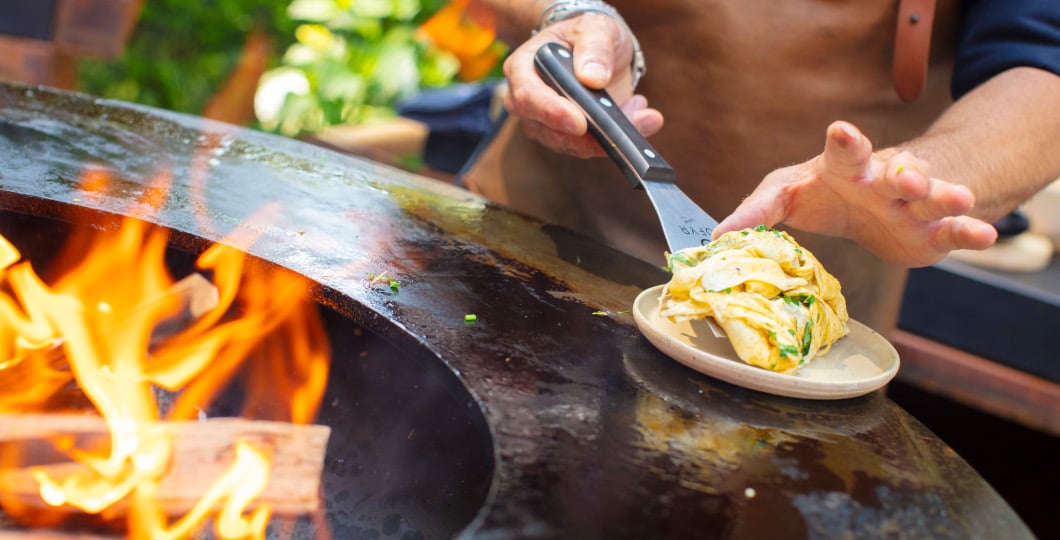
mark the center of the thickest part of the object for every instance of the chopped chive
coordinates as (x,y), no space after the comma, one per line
(470,317)
(807,338)
(681,258)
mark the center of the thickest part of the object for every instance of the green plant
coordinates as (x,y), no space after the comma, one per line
(350,63)
(181,52)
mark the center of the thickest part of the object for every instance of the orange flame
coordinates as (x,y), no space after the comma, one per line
(98,325)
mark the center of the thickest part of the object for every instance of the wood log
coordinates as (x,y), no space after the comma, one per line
(202,452)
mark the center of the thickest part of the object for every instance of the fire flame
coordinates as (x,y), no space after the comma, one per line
(102,325)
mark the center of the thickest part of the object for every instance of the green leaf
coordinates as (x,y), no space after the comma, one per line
(401,10)
(396,73)
(346,87)
(438,68)
(319,11)
(300,113)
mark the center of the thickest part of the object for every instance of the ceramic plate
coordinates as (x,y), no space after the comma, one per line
(857,364)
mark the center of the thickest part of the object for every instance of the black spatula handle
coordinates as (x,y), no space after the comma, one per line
(607,123)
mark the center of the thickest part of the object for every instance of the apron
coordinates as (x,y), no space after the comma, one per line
(745,87)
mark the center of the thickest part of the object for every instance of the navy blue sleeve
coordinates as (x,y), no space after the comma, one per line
(997,35)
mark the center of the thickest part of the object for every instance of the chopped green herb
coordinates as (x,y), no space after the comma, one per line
(470,317)
(599,313)
(804,299)
(374,280)
(807,338)
(681,258)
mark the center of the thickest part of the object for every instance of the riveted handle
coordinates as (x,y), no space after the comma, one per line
(607,123)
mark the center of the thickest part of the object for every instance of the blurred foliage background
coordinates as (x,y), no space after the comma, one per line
(181,52)
(327,62)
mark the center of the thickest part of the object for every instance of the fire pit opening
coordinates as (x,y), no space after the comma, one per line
(410,454)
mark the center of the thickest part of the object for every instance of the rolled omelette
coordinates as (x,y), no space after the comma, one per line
(777,304)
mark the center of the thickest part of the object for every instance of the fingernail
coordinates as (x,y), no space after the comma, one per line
(595,71)
(849,130)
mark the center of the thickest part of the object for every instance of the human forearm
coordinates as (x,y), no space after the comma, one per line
(911,205)
(1001,140)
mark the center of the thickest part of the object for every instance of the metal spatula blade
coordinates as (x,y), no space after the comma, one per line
(684,223)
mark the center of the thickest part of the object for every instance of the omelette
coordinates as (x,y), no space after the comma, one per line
(777,304)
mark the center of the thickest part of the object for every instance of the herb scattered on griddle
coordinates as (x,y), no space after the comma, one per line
(374,280)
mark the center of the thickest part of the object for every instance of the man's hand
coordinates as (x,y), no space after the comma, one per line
(602,53)
(886,201)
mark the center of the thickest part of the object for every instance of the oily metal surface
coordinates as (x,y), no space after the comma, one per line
(595,434)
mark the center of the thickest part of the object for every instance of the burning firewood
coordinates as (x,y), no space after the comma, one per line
(113,334)
(44,372)
(202,452)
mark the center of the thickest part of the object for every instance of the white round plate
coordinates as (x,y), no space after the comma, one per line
(857,364)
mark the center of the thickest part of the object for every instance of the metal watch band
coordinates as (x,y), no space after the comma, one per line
(562,10)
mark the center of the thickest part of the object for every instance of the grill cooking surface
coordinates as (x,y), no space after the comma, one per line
(549,416)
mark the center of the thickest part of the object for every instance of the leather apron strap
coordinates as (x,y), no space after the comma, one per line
(912,46)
